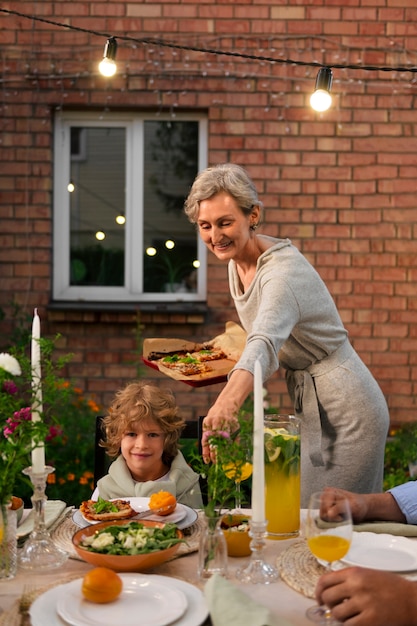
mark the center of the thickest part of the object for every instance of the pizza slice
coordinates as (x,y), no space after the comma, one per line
(102,510)
(209,354)
(187,365)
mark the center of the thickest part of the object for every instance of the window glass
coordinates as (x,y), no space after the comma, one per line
(120,232)
(97,206)
(170,246)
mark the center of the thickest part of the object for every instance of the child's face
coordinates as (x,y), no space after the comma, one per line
(142,450)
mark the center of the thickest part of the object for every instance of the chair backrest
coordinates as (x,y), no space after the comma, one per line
(192,430)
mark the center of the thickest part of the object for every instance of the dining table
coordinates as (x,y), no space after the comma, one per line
(283,600)
(287,597)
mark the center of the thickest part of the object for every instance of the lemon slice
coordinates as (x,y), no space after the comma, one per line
(273,451)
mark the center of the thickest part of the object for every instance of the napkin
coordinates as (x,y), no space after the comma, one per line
(53,509)
(390,528)
(228,606)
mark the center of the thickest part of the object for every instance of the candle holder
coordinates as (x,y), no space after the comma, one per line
(39,551)
(257,571)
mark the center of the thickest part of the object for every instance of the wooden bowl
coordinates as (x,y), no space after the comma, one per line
(122,563)
(236,533)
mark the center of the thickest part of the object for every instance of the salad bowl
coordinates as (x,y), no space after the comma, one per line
(103,544)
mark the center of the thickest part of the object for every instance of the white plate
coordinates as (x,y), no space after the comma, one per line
(183,516)
(159,604)
(381,551)
(43,609)
(142,504)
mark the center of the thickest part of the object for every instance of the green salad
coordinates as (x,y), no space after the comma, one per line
(132,538)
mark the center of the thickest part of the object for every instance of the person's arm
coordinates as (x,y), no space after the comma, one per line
(369,597)
(370,506)
(223,414)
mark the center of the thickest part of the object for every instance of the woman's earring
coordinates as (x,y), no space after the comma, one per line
(253,226)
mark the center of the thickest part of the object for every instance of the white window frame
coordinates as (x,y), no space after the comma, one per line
(133,289)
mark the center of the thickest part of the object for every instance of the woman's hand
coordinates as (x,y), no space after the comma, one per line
(212,425)
(365,597)
(223,413)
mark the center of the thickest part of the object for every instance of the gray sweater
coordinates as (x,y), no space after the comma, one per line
(292,322)
(183,483)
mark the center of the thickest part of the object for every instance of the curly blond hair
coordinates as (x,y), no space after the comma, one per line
(136,403)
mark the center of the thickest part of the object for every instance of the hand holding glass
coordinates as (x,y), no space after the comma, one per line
(328,538)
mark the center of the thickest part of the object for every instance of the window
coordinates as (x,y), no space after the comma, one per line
(120,232)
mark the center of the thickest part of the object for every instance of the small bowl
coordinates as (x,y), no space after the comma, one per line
(122,563)
(236,531)
(18,506)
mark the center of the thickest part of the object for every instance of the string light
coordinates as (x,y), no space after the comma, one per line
(320,99)
(108,66)
(169,44)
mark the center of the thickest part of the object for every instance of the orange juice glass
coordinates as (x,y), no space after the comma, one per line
(282,438)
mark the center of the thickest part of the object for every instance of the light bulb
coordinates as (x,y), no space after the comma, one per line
(107,66)
(320,99)
(120,219)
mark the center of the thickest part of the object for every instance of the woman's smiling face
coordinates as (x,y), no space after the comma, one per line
(224,227)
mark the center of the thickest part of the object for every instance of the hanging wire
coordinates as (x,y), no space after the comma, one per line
(161,42)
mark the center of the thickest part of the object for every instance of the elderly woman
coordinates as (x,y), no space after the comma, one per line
(292,322)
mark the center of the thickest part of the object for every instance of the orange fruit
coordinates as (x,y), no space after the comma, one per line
(101,585)
(163,503)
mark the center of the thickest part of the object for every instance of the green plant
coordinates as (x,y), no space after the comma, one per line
(400,450)
(19,434)
(67,426)
(72,451)
(230,452)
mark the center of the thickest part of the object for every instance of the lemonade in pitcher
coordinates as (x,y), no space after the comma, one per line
(282,475)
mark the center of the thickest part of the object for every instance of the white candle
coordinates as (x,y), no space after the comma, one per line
(38,453)
(258,477)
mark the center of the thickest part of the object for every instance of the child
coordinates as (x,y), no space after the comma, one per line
(142,430)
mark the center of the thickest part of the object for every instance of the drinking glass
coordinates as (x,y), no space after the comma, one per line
(238,470)
(282,435)
(328,538)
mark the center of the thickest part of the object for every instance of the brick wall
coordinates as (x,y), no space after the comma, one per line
(341,185)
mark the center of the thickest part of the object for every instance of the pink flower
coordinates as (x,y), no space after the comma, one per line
(10,387)
(54,431)
(13,422)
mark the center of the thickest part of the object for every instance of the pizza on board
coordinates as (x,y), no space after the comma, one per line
(102,510)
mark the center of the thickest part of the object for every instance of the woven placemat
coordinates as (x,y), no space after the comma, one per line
(18,614)
(299,568)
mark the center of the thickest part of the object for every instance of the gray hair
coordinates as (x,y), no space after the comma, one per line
(228,177)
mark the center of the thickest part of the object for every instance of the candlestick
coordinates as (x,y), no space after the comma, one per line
(38,453)
(39,551)
(258,477)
